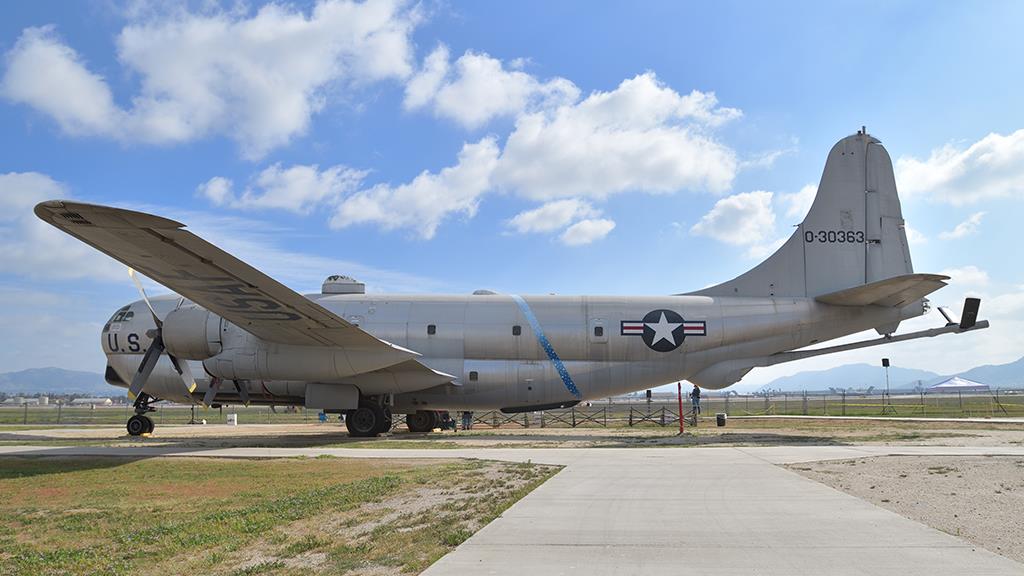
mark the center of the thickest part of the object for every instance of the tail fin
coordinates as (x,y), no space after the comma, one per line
(853,234)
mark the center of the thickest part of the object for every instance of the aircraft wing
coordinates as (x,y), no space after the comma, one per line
(891,292)
(164,251)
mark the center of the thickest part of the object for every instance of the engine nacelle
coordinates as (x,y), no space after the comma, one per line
(192,333)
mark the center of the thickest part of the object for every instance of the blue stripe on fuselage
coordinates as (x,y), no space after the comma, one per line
(546,345)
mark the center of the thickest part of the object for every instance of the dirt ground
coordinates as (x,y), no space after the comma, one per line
(979,499)
(739,432)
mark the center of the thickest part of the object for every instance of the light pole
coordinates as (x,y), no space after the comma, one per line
(887,402)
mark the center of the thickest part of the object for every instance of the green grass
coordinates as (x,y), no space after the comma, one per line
(181,515)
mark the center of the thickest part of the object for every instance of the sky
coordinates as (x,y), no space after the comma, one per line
(524,147)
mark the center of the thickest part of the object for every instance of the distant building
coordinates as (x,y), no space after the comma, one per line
(92,402)
(18,400)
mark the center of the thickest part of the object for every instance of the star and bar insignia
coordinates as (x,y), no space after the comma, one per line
(663,330)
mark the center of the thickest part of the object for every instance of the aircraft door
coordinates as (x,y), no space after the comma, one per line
(529,383)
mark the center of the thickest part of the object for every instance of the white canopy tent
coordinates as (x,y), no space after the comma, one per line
(957,384)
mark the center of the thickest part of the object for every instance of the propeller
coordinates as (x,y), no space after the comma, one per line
(156,348)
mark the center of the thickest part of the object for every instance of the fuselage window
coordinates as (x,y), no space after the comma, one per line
(474,376)
(517,330)
(598,331)
(431,329)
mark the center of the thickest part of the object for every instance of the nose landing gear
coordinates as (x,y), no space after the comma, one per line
(140,424)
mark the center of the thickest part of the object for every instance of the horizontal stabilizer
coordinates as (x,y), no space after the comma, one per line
(891,292)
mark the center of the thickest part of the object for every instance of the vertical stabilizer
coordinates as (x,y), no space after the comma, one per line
(853,234)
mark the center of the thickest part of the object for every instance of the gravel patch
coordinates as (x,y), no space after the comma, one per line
(977,498)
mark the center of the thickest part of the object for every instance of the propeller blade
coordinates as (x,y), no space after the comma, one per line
(243,391)
(185,372)
(211,392)
(156,348)
(138,284)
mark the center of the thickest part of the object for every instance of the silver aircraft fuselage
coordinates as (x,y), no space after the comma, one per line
(510,352)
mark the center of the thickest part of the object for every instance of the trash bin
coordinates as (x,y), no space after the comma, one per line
(232,419)
(720,418)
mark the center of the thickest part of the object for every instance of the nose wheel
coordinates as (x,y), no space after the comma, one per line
(140,424)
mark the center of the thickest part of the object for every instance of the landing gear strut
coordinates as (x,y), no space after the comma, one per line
(370,419)
(140,424)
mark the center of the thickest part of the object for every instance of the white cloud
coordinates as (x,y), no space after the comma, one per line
(479,88)
(42,72)
(32,248)
(299,188)
(965,276)
(765,160)
(587,231)
(965,228)
(423,203)
(914,236)
(257,78)
(990,168)
(798,204)
(741,219)
(642,136)
(552,216)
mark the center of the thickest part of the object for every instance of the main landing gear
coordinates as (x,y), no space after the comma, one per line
(423,420)
(370,419)
(140,424)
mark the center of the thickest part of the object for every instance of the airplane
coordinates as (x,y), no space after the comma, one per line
(250,339)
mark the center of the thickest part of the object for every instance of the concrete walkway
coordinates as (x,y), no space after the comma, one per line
(676,511)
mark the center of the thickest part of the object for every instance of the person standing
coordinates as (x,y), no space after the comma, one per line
(467,420)
(695,400)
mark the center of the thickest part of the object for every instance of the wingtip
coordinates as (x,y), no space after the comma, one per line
(97,214)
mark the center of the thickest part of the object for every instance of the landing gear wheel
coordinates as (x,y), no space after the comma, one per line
(422,421)
(367,420)
(150,426)
(139,425)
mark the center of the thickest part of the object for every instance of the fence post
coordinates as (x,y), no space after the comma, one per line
(844,402)
(805,403)
(59,406)
(631,416)
(526,419)
(541,418)
(785,402)
(767,396)
(25,417)
(960,397)
(824,404)
(605,416)
(573,417)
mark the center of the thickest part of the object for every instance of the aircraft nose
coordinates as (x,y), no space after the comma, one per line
(122,334)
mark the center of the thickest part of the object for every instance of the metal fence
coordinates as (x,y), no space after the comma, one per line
(613,412)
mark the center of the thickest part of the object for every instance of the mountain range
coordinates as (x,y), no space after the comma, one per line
(862,376)
(55,381)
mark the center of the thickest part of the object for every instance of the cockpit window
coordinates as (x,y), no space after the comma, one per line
(121,315)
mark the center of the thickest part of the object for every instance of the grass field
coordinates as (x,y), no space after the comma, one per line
(209,516)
